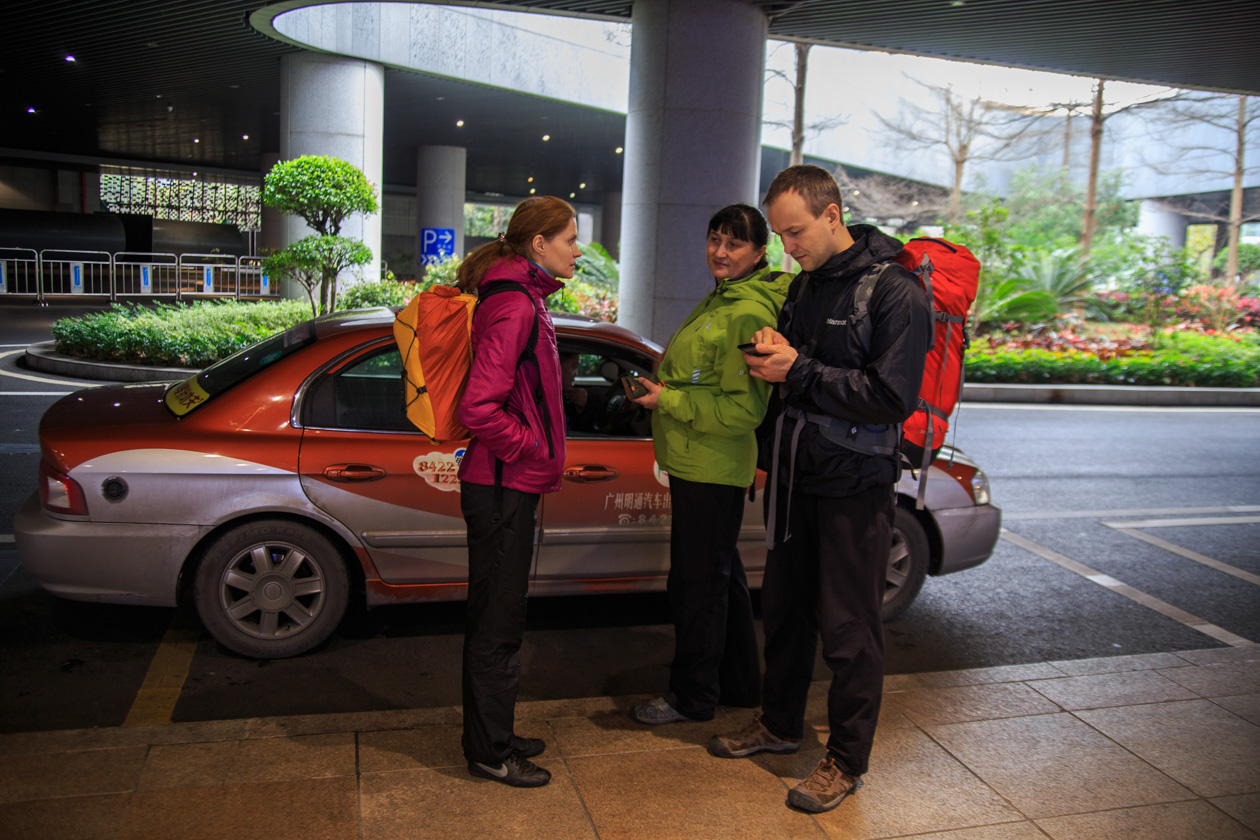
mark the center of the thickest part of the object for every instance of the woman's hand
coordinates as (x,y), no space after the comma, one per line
(649,399)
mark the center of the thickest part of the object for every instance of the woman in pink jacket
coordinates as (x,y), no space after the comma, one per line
(514,410)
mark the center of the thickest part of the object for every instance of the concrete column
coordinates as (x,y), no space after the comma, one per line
(271,222)
(693,133)
(1156,220)
(441,175)
(610,223)
(335,106)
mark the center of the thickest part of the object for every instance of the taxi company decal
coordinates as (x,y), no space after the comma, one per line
(439,469)
(185,396)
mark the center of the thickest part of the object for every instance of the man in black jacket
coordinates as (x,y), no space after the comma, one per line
(850,372)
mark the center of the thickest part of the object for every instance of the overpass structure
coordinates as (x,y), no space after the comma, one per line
(439,102)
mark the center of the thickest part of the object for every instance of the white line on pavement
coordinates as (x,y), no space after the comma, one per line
(15,375)
(1177,523)
(34,393)
(1224,409)
(1122,588)
(1210,562)
(1097,514)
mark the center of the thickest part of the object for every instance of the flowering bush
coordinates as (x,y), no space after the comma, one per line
(1215,307)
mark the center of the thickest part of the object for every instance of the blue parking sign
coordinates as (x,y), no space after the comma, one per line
(436,244)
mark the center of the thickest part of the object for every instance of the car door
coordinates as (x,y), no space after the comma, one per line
(363,463)
(607,528)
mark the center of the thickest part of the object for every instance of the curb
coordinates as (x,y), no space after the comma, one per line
(43,356)
(1137,395)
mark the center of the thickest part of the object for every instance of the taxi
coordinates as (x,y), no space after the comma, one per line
(280,483)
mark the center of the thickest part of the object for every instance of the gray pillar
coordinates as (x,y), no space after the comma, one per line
(692,145)
(1155,219)
(610,223)
(441,174)
(271,222)
(335,106)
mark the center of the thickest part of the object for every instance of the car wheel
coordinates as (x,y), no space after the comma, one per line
(907,564)
(271,589)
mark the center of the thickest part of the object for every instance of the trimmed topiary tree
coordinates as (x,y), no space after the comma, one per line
(324,192)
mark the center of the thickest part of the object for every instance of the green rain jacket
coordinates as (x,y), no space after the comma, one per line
(704,423)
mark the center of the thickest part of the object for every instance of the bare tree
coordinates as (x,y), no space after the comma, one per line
(886,200)
(1099,113)
(797,125)
(968,129)
(1238,119)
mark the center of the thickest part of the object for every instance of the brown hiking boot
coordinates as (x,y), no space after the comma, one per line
(823,789)
(753,738)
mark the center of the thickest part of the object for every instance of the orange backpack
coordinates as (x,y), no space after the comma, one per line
(434,336)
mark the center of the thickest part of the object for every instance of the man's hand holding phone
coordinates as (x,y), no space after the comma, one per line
(769,355)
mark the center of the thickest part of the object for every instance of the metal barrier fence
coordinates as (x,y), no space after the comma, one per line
(26,272)
(19,271)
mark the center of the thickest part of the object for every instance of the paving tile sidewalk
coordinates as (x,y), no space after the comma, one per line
(1159,747)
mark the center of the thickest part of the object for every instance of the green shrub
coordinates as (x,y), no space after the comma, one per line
(1177,358)
(175,335)
(379,293)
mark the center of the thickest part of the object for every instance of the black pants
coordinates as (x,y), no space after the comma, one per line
(500,552)
(715,644)
(828,579)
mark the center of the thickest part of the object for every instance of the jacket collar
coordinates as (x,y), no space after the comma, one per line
(520,270)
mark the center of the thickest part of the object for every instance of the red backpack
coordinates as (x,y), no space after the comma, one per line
(949,273)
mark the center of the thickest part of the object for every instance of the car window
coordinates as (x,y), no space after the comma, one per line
(366,394)
(183,397)
(595,404)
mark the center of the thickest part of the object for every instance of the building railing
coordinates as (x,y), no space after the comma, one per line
(25,272)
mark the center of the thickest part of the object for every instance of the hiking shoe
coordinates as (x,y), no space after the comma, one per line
(657,712)
(823,789)
(527,747)
(753,738)
(514,771)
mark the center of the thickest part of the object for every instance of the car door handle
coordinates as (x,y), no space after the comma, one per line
(353,472)
(590,473)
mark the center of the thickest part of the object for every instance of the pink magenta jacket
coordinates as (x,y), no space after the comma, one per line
(498,405)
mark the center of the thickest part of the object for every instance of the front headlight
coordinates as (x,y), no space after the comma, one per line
(980,487)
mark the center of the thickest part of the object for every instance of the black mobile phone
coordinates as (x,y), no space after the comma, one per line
(751,349)
(634,388)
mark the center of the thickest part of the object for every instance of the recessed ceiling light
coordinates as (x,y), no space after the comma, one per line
(546,137)
(459,123)
(572,195)
(30,110)
(70,58)
(530,179)
(196,140)
(532,191)
(581,186)
(244,136)
(620,150)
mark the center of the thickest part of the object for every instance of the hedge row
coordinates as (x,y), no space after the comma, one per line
(175,335)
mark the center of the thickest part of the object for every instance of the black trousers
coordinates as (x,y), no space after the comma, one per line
(828,579)
(715,643)
(500,552)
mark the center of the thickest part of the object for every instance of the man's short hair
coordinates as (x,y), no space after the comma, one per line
(813,183)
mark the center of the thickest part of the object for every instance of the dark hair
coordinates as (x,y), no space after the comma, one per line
(813,183)
(539,215)
(744,222)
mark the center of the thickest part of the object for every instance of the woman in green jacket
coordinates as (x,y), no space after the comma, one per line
(706,410)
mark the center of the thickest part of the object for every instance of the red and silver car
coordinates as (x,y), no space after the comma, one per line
(278,484)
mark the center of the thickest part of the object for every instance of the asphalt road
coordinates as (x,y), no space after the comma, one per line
(1061,585)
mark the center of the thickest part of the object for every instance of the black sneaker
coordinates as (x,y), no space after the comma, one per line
(528,747)
(515,771)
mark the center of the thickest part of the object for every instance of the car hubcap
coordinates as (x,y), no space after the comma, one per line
(898,565)
(272,590)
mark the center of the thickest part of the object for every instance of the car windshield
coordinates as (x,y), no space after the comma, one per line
(183,397)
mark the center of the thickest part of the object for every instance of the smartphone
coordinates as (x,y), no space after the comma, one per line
(751,349)
(634,388)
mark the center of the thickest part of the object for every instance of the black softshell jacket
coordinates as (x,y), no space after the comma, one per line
(840,377)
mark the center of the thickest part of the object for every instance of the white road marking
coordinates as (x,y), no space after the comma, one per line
(1210,562)
(1176,523)
(1122,588)
(1098,514)
(34,393)
(29,378)
(1175,409)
